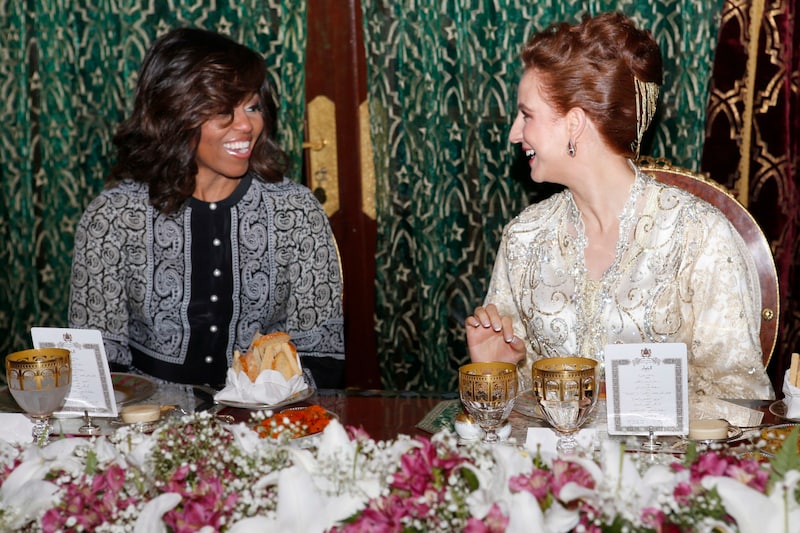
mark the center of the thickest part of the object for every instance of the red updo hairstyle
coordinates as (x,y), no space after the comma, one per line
(591,65)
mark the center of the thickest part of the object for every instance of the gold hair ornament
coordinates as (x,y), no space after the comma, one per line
(646,100)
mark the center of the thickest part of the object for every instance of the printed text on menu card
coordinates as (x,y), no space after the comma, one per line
(92,389)
(647,389)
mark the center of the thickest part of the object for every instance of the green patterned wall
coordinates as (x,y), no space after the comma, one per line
(442,90)
(442,82)
(67,73)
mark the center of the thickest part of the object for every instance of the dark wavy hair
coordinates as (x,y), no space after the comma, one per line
(591,65)
(189,76)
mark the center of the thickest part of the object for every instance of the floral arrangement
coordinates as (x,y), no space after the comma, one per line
(197,474)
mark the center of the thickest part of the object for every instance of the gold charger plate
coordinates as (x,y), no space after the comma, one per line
(130,388)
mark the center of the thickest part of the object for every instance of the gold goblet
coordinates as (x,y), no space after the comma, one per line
(488,391)
(566,390)
(39,381)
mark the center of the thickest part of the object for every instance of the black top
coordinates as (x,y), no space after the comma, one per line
(211,303)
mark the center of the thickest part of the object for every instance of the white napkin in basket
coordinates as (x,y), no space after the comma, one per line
(791,397)
(270,388)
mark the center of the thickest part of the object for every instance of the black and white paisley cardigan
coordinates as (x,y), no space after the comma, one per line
(132,266)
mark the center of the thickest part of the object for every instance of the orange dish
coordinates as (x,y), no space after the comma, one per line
(297,422)
(775,436)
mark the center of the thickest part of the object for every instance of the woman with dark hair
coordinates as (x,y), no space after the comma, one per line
(616,257)
(199,242)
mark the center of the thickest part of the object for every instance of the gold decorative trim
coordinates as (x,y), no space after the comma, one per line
(754,29)
(367,163)
(323,175)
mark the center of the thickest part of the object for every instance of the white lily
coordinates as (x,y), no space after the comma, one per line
(107,453)
(493,483)
(137,448)
(334,441)
(619,484)
(301,506)
(754,512)
(524,514)
(253,524)
(8,453)
(523,510)
(25,494)
(244,438)
(335,444)
(150,519)
(335,447)
(25,502)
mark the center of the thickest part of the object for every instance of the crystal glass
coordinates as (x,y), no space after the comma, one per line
(488,391)
(566,390)
(39,381)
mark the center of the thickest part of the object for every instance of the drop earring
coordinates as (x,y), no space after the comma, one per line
(571,148)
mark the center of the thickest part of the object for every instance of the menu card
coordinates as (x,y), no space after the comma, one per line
(91,389)
(647,389)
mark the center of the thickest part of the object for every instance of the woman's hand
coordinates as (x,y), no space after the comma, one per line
(490,337)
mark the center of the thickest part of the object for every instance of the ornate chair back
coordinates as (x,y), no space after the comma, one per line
(718,195)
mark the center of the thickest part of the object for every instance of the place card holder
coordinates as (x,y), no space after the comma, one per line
(647,389)
(91,389)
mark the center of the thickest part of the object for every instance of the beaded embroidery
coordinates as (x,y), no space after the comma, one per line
(591,297)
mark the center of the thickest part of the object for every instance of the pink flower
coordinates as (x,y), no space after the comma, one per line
(357,433)
(202,505)
(708,464)
(682,493)
(747,471)
(751,473)
(537,483)
(495,522)
(568,472)
(382,516)
(653,518)
(91,500)
(423,467)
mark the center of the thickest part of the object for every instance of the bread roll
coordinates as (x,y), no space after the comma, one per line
(273,351)
(133,414)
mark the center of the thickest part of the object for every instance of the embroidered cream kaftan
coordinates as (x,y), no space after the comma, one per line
(681,274)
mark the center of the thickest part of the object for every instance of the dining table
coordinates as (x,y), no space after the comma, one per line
(386,414)
(382,414)
(271,473)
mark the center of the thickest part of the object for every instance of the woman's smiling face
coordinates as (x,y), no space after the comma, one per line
(540,130)
(226,141)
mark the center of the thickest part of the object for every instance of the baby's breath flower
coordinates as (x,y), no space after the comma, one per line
(415,484)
